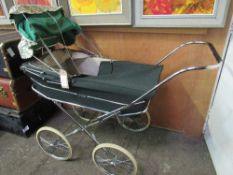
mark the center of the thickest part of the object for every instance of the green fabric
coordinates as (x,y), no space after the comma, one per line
(119,78)
(44,22)
(82,97)
(122,77)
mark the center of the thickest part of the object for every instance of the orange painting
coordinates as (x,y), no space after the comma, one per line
(35,2)
(177,7)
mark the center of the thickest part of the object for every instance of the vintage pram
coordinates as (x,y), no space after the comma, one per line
(121,89)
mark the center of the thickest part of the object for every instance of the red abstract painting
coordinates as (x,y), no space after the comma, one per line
(35,2)
(171,7)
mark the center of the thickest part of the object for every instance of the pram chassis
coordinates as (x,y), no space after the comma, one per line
(107,157)
(117,113)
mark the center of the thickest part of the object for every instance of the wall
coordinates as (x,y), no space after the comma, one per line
(218,133)
(181,104)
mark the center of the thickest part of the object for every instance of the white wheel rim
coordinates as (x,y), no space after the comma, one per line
(118,148)
(58,133)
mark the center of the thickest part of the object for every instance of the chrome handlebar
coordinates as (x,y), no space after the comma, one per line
(212,48)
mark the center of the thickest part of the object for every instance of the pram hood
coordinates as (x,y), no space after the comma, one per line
(37,23)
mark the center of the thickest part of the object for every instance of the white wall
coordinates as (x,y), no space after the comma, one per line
(219,128)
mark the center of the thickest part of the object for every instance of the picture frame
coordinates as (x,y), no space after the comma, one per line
(215,20)
(5,6)
(54,2)
(98,19)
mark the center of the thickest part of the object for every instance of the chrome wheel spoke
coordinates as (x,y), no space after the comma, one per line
(54,143)
(114,160)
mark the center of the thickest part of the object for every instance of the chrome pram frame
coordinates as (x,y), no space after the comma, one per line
(106,156)
(117,114)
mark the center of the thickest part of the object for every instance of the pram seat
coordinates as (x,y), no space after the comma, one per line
(118,83)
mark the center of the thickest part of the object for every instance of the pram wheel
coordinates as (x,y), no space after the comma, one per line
(113,159)
(135,123)
(85,115)
(54,143)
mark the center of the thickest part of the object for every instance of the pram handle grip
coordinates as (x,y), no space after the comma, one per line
(212,48)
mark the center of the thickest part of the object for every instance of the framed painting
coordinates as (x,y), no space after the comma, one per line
(181,13)
(2,11)
(36,2)
(4,7)
(98,12)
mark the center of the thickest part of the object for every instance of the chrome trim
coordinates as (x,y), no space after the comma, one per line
(33,73)
(65,102)
(48,81)
(136,113)
(34,70)
(69,103)
(84,129)
(213,50)
(84,96)
(45,64)
(214,66)
(53,82)
(75,131)
(59,90)
(114,102)
(34,66)
(51,54)
(101,99)
(91,44)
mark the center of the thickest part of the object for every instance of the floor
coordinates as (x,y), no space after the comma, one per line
(157,151)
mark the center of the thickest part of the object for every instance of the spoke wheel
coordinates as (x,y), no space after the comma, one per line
(112,159)
(54,143)
(85,114)
(135,123)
